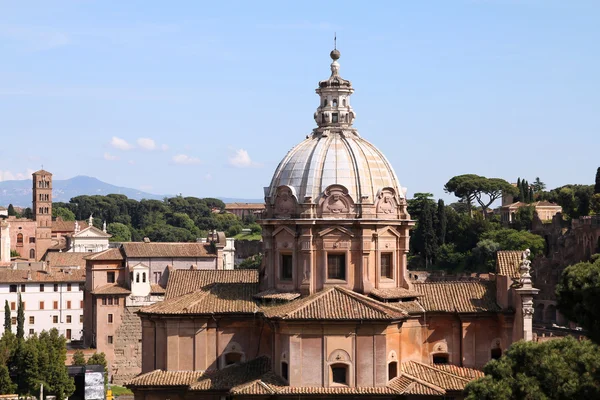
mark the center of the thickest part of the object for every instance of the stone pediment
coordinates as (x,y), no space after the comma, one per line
(341,229)
(91,231)
(285,229)
(388,231)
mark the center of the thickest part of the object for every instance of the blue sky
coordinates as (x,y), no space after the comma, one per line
(205,98)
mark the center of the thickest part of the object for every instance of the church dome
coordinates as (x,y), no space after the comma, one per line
(334,153)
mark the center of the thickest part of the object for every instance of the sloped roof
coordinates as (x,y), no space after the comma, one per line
(183,281)
(435,376)
(508,262)
(335,303)
(273,294)
(156,289)
(244,206)
(218,298)
(67,226)
(111,288)
(458,296)
(51,276)
(66,259)
(394,293)
(167,250)
(165,378)
(111,254)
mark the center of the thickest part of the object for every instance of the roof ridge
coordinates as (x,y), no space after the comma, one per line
(439,370)
(306,303)
(423,382)
(369,301)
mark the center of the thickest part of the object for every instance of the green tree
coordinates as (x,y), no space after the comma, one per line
(510,239)
(597,183)
(538,185)
(577,294)
(52,358)
(27,213)
(8,345)
(7,319)
(252,262)
(6,384)
(120,232)
(595,203)
(474,187)
(64,213)
(484,255)
(442,222)
(100,359)
(11,211)
(27,366)
(78,358)
(20,319)
(561,369)
(524,218)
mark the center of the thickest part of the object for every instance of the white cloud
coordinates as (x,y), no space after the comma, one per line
(15,176)
(184,159)
(146,143)
(120,144)
(110,157)
(164,147)
(241,159)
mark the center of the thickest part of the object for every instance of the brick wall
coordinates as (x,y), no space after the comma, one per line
(128,347)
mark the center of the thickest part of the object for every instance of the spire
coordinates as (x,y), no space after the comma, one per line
(334,109)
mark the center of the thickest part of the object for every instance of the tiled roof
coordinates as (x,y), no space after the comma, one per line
(106,255)
(156,289)
(468,373)
(458,296)
(111,288)
(218,298)
(165,378)
(167,250)
(183,281)
(508,262)
(394,293)
(244,206)
(51,276)
(545,203)
(434,376)
(235,375)
(67,226)
(335,303)
(411,307)
(272,294)
(66,259)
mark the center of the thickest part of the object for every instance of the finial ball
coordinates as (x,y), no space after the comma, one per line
(335,54)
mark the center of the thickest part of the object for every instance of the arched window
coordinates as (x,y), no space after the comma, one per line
(19,239)
(335,102)
(440,358)
(284,370)
(324,102)
(392,370)
(496,353)
(344,102)
(143,277)
(233,358)
(137,278)
(32,253)
(339,374)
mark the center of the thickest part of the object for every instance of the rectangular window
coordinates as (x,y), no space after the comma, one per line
(68,335)
(157,276)
(41,287)
(31,320)
(41,305)
(110,340)
(81,319)
(81,287)
(55,305)
(31,332)
(334,118)
(287,267)
(116,301)
(31,240)
(55,319)
(386,266)
(13,288)
(56,287)
(68,287)
(81,304)
(68,304)
(68,319)
(336,266)
(13,305)
(13,320)
(104,301)
(110,277)
(110,318)
(22,288)
(109,301)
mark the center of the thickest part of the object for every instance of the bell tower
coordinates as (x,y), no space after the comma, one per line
(42,211)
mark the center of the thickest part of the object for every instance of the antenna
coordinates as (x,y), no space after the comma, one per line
(335,40)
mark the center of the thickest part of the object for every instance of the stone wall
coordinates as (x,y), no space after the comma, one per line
(247,248)
(128,347)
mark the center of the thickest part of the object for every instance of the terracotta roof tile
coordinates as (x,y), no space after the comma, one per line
(157,289)
(67,226)
(468,373)
(112,254)
(458,296)
(233,375)
(335,303)
(411,307)
(272,294)
(111,288)
(183,281)
(165,378)
(245,206)
(167,250)
(218,298)
(337,390)
(53,275)
(434,376)
(394,293)
(66,259)
(508,262)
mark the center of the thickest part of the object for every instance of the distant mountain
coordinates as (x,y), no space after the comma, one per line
(19,193)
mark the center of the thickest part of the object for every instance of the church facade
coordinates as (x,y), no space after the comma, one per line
(331,312)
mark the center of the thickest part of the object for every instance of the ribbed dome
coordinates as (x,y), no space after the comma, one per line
(335,158)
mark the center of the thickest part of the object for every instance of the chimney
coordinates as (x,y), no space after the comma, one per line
(29,275)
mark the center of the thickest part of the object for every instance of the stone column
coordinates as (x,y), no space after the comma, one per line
(526,293)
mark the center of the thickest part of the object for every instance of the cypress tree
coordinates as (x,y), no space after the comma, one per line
(521,185)
(11,211)
(520,195)
(442,222)
(530,195)
(597,185)
(429,234)
(78,358)
(20,320)
(7,319)
(6,385)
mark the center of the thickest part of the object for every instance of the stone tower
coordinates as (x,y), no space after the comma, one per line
(335,212)
(42,211)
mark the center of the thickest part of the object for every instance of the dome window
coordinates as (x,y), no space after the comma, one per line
(334,117)
(344,102)
(335,102)
(324,102)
